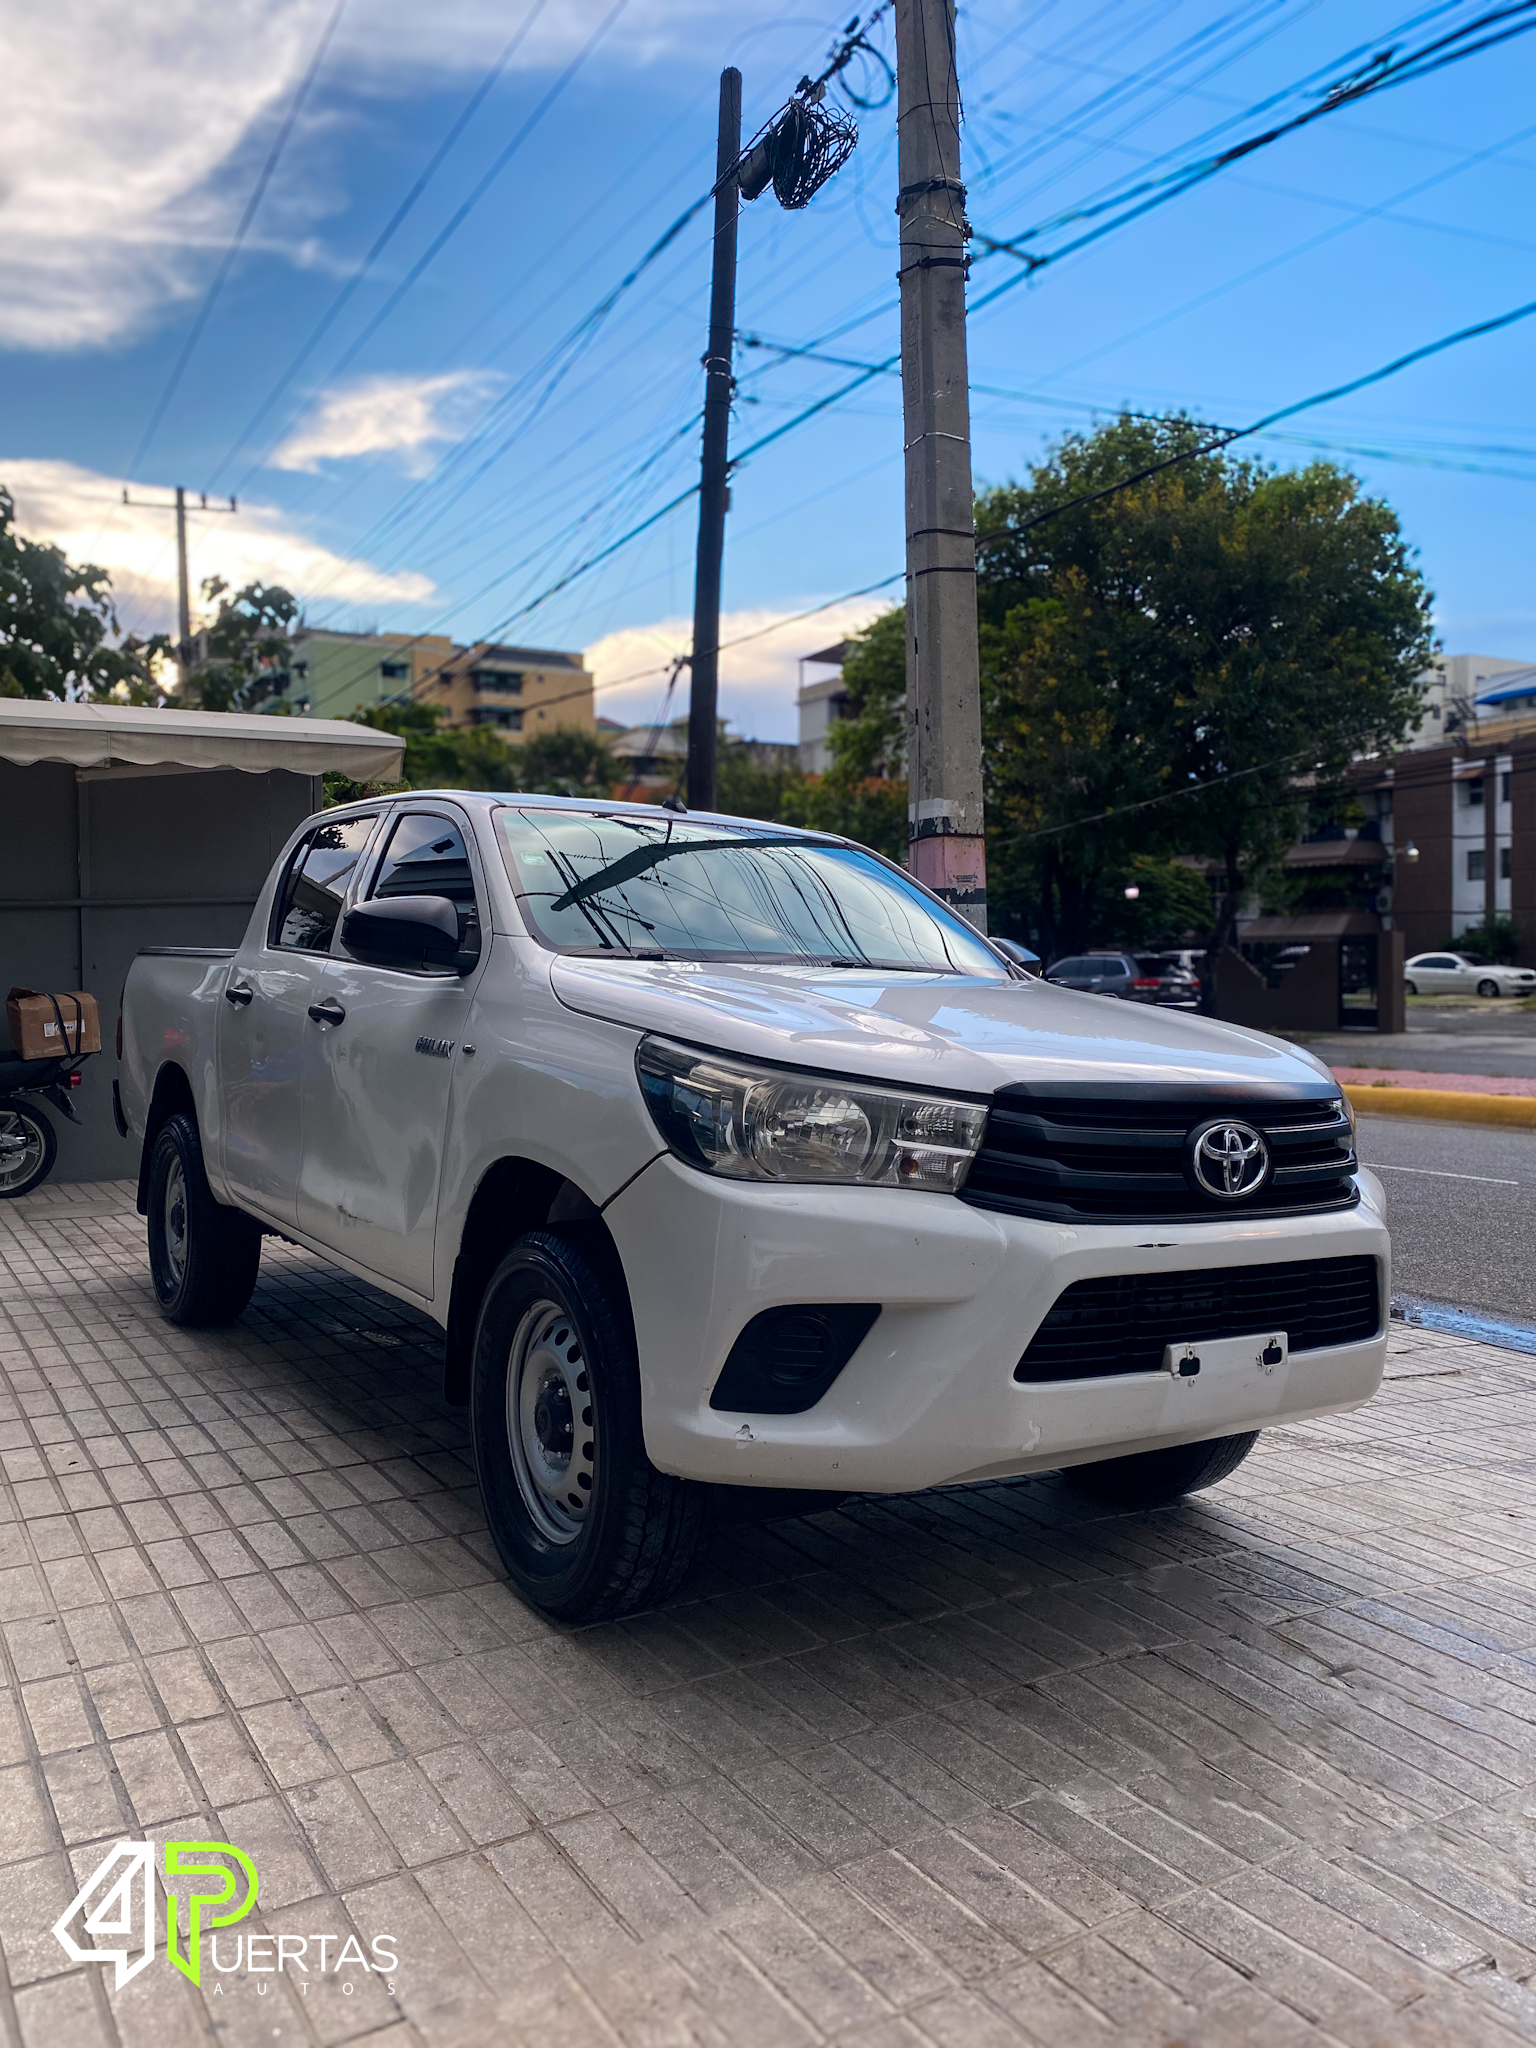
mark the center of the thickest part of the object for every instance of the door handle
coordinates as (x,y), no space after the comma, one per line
(328,1012)
(238,994)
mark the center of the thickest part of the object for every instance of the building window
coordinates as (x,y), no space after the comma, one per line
(1474,791)
(1477,863)
(499,715)
(395,671)
(1506,786)
(1504,860)
(507,682)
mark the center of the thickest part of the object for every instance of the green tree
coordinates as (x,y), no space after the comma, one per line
(59,633)
(466,757)
(1223,629)
(569,761)
(1495,938)
(242,655)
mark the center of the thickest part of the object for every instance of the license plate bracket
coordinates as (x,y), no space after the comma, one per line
(1264,1352)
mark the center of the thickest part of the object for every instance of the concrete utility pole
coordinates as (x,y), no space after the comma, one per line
(183,594)
(714,489)
(946,849)
(183,586)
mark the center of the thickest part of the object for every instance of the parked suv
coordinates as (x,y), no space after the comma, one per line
(730,1160)
(1154,978)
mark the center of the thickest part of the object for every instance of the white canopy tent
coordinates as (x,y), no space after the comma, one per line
(123,827)
(97,736)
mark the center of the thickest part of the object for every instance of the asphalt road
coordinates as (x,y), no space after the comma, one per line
(1461,1202)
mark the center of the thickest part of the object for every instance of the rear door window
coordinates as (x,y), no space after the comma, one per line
(315,886)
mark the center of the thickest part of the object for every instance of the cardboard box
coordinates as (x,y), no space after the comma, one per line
(52,1027)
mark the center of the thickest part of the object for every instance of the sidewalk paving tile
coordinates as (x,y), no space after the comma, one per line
(986,1768)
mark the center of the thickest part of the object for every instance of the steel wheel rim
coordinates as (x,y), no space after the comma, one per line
(550,1422)
(174,1211)
(21,1148)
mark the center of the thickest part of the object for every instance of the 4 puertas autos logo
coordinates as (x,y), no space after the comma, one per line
(209,1888)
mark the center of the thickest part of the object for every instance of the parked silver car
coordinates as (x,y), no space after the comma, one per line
(1439,974)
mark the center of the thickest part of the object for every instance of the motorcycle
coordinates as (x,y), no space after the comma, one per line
(28,1143)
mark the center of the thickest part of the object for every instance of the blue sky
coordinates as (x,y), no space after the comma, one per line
(442,472)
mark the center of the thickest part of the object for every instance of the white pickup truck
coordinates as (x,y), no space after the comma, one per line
(727,1157)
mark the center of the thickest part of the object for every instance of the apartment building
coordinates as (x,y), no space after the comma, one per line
(333,675)
(517,690)
(820,704)
(520,691)
(1457,819)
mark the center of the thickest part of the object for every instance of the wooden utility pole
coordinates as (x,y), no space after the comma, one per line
(714,488)
(946,849)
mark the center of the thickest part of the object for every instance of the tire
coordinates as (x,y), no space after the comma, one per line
(1410,988)
(203,1257)
(1487,988)
(28,1147)
(555,1397)
(1151,1479)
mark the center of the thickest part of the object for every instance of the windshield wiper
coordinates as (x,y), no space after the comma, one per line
(631,864)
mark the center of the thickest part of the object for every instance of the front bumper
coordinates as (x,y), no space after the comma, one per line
(929,1397)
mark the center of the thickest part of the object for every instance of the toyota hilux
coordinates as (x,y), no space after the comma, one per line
(729,1158)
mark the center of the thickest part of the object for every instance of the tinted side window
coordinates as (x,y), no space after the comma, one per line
(309,902)
(426,856)
(1068,967)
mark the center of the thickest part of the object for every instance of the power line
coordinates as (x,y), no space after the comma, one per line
(258,192)
(462,212)
(1225,439)
(385,236)
(1384,72)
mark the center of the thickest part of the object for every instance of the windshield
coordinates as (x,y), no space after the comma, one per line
(671,889)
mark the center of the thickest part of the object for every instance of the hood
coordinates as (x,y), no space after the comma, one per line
(933,1030)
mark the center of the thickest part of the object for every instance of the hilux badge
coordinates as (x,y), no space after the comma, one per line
(435,1048)
(1230,1160)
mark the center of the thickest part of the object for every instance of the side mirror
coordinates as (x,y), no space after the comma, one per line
(403,931)
(1017,955)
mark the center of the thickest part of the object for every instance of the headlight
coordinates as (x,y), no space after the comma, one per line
(762,1123)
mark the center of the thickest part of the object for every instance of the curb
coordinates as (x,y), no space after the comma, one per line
(1445,1105)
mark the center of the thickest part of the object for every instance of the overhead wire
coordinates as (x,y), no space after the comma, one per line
(823,403)
(1386,72)
(381,241)
(461,213)
(1213,444)
(237,240)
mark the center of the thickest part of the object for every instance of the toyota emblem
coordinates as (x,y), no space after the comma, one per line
(1230,1160)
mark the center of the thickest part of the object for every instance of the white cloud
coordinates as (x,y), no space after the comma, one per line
(132,133)
(386,415)
(83,513)
(758,679)
(115,119)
